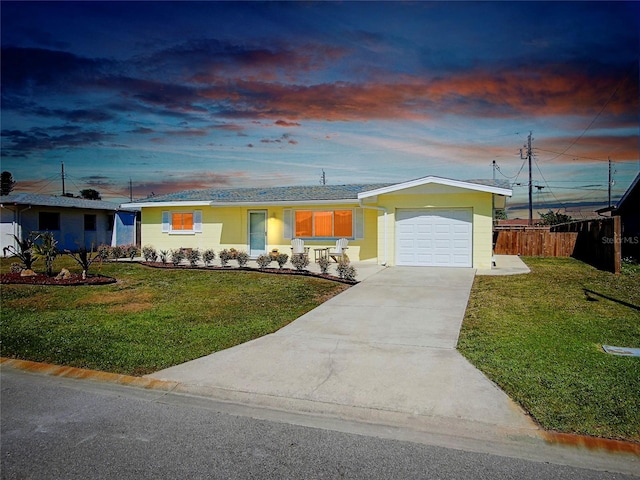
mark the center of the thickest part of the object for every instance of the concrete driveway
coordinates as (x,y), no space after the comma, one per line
(382,351)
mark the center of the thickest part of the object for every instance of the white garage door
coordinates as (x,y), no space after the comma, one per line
(434,237)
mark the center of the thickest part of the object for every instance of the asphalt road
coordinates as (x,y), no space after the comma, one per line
(57,428)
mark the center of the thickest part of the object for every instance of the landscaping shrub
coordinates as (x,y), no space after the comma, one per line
(208,256)
(300,261)
(264,260)
(131,251)
(242,258)
(24,251)
(104,251)
(324,265)
(85,258)
(346,271)
(47,249)
(282,259)
(224,256)
(177,256)
(149,253)
(117,252)
(193,256)
(164,255)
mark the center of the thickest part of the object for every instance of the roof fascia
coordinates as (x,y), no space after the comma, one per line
(166,204)
(438,180)
(239,204)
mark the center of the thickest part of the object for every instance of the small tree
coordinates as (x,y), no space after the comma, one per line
(553,218)
(47,249)
(85,258)
(90,194)
(6,183)
(24,251)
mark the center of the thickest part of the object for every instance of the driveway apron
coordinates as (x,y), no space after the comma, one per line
(382,351)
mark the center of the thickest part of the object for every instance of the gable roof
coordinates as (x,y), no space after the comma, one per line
(57,202)
(489,186)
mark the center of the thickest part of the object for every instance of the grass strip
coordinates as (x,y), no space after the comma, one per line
(539,336)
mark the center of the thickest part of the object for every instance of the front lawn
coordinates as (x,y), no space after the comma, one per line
(539,337)
(151,318)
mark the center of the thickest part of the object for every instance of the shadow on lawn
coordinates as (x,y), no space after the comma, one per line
(588,294)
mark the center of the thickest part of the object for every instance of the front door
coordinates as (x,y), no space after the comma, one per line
(257,233)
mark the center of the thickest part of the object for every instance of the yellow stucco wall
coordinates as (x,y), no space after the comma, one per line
(479,202)
(227,227)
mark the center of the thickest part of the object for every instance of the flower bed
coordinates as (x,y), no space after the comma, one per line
(274,271)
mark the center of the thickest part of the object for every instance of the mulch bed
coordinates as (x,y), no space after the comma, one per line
(42,279)
(274,271)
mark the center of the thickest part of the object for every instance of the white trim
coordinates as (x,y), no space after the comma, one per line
(292,203)
(437,180)
(185,204)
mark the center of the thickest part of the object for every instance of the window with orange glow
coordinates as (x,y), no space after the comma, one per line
(343,223)
(304,223)
(329,223)
(322,224)
(182,221)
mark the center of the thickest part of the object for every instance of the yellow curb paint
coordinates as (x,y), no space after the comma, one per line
(85,374)
(592,443)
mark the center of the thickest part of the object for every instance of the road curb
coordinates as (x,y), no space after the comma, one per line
(591,443)
(86,374)
(550,437)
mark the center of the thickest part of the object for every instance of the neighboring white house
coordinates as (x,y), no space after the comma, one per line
(74,222)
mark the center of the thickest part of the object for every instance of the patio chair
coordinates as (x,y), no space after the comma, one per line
(298,248)
(341,246)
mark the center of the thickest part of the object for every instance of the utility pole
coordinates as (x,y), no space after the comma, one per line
(494,170)
(609,183)
(323,178)
(62,175)
(529,155)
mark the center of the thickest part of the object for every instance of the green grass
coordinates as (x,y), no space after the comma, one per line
(151,318)
(539,337)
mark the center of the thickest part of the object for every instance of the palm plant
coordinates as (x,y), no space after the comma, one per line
(47,249)
(24,251)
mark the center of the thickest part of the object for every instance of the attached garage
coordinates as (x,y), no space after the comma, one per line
(436,222)
(434,237)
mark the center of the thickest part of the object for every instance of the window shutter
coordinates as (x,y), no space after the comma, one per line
(165,222)
(197,221)
(288,224)
(359,212)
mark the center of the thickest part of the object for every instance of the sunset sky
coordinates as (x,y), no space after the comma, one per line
(187,95)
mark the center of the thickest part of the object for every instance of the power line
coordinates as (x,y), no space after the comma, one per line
(624,79)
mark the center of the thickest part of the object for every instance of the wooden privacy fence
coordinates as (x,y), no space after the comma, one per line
(596,242)
(534,242)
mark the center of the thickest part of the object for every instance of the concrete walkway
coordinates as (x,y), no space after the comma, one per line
(381,352)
